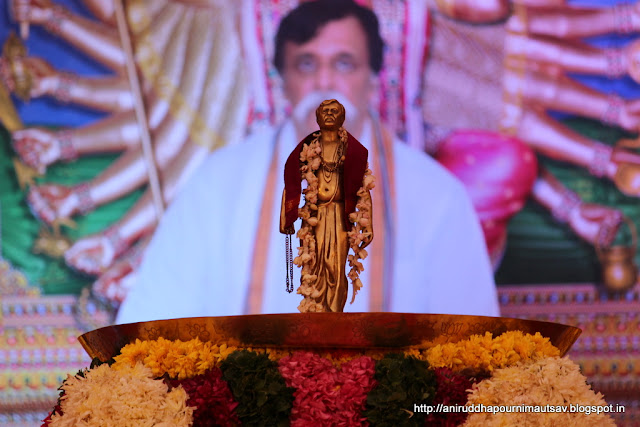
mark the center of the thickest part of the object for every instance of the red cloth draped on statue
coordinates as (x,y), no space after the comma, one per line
(355,165)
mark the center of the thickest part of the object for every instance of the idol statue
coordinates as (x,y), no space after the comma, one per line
(336,214)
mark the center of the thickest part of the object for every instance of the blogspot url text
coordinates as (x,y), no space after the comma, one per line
(495,409)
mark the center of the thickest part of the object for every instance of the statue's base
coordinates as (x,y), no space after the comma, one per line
(323,330)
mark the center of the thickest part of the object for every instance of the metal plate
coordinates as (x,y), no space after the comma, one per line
(322,330)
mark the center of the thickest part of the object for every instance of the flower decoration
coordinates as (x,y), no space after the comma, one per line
(402,382)
(483,353)
(361,220)
(57,411)
(549,381)
(306,259)
(177,359)
(357,381)
(211,397)
(340,356)
(276,354)
(452,390)
(109,397)
(210,384)
(262,395)
(325,393)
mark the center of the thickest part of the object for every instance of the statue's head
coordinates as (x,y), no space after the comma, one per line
(330,114)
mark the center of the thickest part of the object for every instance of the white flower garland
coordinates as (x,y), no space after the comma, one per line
(311,161)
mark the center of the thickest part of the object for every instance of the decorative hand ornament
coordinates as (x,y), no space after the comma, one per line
(27,12)
(624,170)
(30,11)
(336,215)
(94,254)
(39,148)
(114,284)
(51,202)
(597,224)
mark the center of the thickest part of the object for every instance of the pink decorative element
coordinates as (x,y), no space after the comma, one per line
(62,91)
(210,394)
(608,228)
(498,172)
(623,15)
(611,115)
(5,74)
(118,244)
(324,392)
(85,202)
(54,23)
(111,285)
(570,201)
(67,150)
(615,63)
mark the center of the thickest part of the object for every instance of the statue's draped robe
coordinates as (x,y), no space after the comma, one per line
(331,253)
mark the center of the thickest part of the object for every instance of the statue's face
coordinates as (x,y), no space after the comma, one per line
(330,116)
(335,62)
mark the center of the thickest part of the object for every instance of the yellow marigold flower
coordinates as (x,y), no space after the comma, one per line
(276,354)
(485,353)
(132,354)
(340,356)
(375,354)
(412,352)
(176,358)
(224,351)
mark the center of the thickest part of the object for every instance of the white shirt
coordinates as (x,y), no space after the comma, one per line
(198,262)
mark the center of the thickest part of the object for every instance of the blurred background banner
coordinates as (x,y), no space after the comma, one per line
(532,104)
